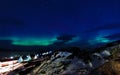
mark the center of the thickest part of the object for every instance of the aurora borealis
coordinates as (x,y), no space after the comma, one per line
(32,42)
(40,22)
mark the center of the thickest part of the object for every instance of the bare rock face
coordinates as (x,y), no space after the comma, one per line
(63,66)
(68,63)
(112,67)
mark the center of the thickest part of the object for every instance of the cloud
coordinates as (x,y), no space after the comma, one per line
(14,21)
(65,38)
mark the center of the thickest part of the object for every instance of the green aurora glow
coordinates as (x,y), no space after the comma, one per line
(31,41)
(99,39)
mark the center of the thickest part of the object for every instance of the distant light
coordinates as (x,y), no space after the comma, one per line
(47,52)
(37,55)
(11,57)
(43,53)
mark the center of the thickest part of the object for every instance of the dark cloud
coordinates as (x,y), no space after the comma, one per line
(9,21)
(66,37)
(105,27)
(114,36)
(62,39)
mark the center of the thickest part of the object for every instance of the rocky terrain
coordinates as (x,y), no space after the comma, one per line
(75,62)
(112,67)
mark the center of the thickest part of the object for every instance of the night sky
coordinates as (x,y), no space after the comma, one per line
(59,22)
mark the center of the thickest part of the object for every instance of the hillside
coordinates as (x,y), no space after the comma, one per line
(76,62)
